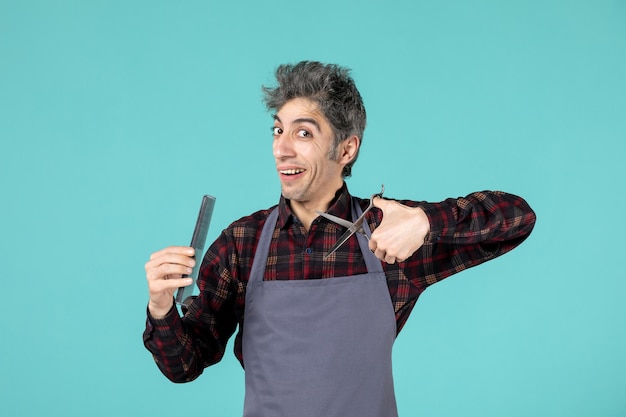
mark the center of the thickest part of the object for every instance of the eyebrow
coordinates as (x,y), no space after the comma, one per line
(302,120)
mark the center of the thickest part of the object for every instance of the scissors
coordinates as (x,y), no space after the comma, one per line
(353,228)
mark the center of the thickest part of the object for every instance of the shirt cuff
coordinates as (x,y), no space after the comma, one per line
(166,326)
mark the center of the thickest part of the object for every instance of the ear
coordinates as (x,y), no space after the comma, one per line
(349,148)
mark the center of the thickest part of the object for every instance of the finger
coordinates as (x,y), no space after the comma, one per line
(158,287)
(167,271)
(170,258)
(180,250)
(390,259)
(372,244)
(380,254)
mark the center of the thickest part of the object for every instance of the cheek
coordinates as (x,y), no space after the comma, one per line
(333,153)
(319,152)
(307,150)
(313,152)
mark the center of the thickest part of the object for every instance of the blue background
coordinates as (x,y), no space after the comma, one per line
(117,116)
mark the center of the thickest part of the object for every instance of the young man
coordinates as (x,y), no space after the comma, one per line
(315,332)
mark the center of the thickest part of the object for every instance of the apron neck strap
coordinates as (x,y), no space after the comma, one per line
(371,261)
(263,247)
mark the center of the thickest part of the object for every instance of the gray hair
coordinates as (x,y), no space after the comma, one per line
(332,89)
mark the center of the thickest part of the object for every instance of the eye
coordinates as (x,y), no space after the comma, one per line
(303,133)
(277,130)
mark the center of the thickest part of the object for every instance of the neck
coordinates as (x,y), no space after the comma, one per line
(305,211)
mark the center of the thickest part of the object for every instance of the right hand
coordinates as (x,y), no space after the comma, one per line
(164,273)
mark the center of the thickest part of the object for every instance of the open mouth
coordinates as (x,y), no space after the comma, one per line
(291,171)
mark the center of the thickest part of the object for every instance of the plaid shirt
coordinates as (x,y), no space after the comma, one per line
(464,232)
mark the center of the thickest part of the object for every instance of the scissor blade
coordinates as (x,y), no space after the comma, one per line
(356,226)
(340,242)
(335,219)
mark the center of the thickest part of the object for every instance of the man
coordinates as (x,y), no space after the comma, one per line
(315,332)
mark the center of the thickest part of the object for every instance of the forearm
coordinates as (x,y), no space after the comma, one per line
(172,348)
(183,347)
(487,217)
(467,231)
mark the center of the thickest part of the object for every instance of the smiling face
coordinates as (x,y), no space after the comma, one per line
(303,144)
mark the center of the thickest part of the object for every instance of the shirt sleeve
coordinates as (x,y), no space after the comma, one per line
(183,346)
(467,231)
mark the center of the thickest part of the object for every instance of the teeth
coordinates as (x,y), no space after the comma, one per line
(291,171)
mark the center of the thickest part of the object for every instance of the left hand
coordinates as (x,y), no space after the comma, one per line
(401,232)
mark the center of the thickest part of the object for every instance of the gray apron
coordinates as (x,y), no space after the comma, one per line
(321,347)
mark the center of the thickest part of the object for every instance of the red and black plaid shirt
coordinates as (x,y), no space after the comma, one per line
(464,232)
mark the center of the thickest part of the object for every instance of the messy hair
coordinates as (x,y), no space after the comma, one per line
(332,88)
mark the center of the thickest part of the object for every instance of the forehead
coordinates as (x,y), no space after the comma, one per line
(298,109)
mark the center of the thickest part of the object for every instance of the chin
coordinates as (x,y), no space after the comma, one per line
(292,195)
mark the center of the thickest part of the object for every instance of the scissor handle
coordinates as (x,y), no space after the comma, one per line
(380,194)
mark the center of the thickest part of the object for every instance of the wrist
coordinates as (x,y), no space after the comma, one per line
(159,312)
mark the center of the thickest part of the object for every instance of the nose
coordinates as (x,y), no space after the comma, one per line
(283,147)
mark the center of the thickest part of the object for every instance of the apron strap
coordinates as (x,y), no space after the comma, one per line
(263,247)
(372,263)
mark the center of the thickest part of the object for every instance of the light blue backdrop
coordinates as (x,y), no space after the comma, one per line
(116,116)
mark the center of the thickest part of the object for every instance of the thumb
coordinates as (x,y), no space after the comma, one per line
(381,203)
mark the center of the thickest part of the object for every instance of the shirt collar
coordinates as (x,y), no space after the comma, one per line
(340,206)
